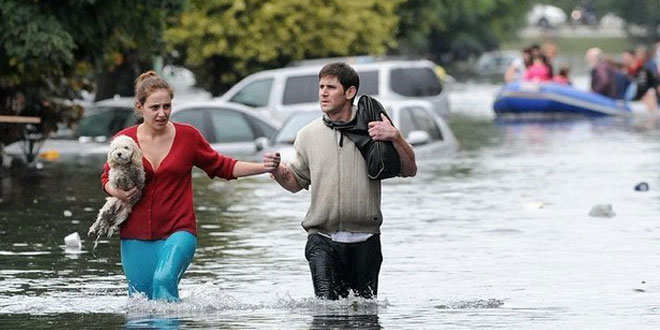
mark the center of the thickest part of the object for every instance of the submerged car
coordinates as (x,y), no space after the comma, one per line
(290,89)
(101,121)
(428,133)
(229,128)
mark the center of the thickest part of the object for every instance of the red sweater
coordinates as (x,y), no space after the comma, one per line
(166,205)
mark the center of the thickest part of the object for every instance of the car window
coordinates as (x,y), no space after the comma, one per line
(254,94)
(104,121)
(196,117)
(406,123)
(287,133)
(425,122)
(368,83)
(304,89)
(230,126)
(415,82)
(261,129)
(301,89)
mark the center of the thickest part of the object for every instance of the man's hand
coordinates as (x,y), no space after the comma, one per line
(271,161)
(383,130)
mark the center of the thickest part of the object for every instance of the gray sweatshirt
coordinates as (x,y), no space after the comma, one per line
(343,197)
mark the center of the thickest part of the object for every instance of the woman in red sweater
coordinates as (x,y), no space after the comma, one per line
(159,238)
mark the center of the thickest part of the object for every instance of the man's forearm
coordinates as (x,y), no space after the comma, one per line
(285,178)
(407,156)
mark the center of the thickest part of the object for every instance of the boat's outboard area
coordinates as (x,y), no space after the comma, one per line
(554,100)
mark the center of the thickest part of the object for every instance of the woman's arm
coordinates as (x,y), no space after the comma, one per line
(270,164)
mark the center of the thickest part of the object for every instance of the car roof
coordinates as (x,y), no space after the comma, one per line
(121,101)
(224,104)
(216,103)
(315,68)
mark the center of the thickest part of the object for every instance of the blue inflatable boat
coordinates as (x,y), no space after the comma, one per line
(552,100)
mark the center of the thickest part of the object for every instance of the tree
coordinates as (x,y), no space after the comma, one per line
(643,13)
(445,30)
(51,51)
(222,41)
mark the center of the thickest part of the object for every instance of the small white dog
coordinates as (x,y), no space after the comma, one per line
(126,172)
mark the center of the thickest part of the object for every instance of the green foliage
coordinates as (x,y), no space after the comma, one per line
(51,50)
(225,40)
(446,30)
(644,13)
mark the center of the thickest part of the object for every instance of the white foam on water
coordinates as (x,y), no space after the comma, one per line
(201,299)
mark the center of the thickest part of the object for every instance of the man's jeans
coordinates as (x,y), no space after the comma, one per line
(339,267)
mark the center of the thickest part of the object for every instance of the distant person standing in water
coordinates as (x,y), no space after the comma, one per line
(562,77)
(344,217)
(602,73)
(642,79)
(159,238)
(518,66)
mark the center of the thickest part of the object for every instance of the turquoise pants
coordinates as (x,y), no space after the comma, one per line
(155,268)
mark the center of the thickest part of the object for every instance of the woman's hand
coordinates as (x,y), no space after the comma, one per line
(271,161)
(124,195)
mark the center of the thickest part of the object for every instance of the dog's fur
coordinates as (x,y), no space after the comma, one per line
(126,172)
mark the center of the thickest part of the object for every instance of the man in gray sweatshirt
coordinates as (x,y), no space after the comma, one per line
(344,217)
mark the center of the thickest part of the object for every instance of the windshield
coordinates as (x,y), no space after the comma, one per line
(105,121)
(287,134)
(305,89)
(415,82)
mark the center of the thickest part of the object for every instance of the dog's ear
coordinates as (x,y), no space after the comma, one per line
(111,160)
(137,154)
(113,145)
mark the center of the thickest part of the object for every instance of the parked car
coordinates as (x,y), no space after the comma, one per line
(287,90)
(428,133)
(88,137)
(229,128)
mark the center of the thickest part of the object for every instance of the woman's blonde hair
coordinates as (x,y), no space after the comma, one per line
(146,84)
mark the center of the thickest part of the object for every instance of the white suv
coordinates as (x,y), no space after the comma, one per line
(290,89)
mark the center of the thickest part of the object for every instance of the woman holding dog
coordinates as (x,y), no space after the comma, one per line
(159,239)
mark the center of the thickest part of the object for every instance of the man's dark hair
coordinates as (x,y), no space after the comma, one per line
(345,74)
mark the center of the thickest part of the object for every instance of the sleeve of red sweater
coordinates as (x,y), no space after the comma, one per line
(104,176)
(211,161)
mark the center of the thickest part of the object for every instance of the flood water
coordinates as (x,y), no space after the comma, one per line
(497,235)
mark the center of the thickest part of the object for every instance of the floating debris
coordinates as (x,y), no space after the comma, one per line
(473,304)
(72,242)
(602,210)
(642,186)
(534,205)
